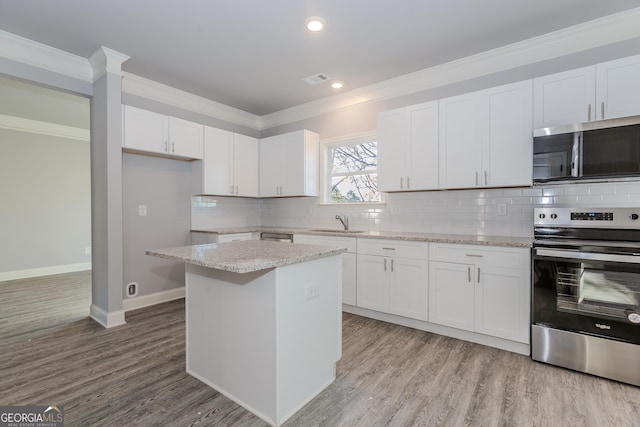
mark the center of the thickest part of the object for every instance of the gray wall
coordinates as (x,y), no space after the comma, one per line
(164,186)
(45,208)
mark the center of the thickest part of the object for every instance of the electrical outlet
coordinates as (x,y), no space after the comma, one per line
(313,292)
(502,209)
(142,210)
(132,289)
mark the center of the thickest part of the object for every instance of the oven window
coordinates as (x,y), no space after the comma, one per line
(594,290)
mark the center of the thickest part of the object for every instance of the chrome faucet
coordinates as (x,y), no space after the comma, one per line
(344,221)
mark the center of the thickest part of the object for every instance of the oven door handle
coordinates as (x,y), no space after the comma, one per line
(576,255)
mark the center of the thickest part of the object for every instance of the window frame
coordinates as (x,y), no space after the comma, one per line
(325,167)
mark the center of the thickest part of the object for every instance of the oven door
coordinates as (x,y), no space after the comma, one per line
(586,292)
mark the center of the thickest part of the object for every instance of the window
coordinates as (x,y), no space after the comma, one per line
(351,171)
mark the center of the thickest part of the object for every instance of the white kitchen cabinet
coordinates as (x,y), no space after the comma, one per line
(349,273)
(482,290)
(392,277)
(486,138)
(408,148)
(604,91)
(618,88)
(201,237)
(230,164)
(149,132)
(289,165)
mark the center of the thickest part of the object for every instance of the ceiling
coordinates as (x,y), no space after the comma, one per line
(253,54)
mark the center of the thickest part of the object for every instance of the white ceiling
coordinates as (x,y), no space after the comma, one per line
(253,54)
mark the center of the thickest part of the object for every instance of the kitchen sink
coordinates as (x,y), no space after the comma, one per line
(338,231)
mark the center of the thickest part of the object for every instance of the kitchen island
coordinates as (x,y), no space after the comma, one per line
(263,321)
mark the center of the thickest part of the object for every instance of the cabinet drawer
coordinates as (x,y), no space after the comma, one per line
(341,242)
(485,255)
(398,248)
(224,238)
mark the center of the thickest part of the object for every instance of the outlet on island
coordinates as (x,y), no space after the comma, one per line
(132,289)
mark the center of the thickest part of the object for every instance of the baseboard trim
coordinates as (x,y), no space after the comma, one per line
(152,299)
(502,344)
(108,320)
(44,271)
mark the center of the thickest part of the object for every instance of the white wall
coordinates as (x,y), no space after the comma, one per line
(45,204)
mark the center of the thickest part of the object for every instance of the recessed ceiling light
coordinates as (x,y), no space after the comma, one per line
(314,23)
(337,85)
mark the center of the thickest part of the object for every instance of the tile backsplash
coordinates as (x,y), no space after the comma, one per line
(476,211)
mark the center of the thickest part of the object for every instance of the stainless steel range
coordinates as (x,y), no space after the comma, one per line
(586,291)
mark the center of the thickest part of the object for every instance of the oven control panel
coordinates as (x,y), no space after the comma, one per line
(587,218)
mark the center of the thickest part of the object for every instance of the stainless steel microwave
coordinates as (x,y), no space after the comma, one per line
(605,149)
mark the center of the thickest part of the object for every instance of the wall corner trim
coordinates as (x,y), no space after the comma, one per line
(108,320)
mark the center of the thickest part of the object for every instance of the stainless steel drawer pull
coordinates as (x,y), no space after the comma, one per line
(469,273)
(474,255)
(602,109)
(589,113)
(392,266)
(401,182)
(385,264)
(388,249)
(408,185)
(478,274)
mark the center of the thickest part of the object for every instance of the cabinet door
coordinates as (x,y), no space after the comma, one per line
(422,154)
(618,88)
(145,130)
(270,166)
(451,300)
(293,164)
(217,164)
(502,303)
(460,142)
(564,98)
(392,142)
(507,152)
(245,166)
(373,282)
(408,288)
(185,138)
(349,277)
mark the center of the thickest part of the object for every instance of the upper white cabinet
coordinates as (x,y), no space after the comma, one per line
(289,165)
(604,91)
(408,148)
(230,164)
(485,138)
(155,133)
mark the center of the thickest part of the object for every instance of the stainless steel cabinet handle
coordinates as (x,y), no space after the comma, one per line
(478,274)
(589,113)
(385,264)
(173,147)
(474,255)
(166,146)
(408,186)
(476,177)
(236,189)
(602,109)
(469,274)
(401,182)
(392,265)
(486,180)
(388,249)
(231,189)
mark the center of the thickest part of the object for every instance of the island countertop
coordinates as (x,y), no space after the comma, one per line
(246,256)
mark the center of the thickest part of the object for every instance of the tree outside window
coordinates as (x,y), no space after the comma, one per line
(353,172)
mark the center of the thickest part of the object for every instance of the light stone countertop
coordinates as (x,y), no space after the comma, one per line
(246,256)
(462,239)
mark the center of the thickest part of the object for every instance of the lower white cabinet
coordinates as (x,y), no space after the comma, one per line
(348,260)
(482,290)
(392,277)
(201,238)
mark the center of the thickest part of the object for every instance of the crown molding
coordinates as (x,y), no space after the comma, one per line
(39,55)
(43,128)
(140,86)
(106,60)
(592,34)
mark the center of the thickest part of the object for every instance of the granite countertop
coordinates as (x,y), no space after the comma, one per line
(463,239)
(246,256)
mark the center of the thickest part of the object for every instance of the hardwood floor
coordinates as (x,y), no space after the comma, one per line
(389,375)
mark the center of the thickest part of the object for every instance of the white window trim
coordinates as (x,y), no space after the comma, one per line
(325,145)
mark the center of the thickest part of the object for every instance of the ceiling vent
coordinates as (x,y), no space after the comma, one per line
(316,78)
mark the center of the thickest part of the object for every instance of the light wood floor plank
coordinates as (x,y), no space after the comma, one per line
(389,375)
